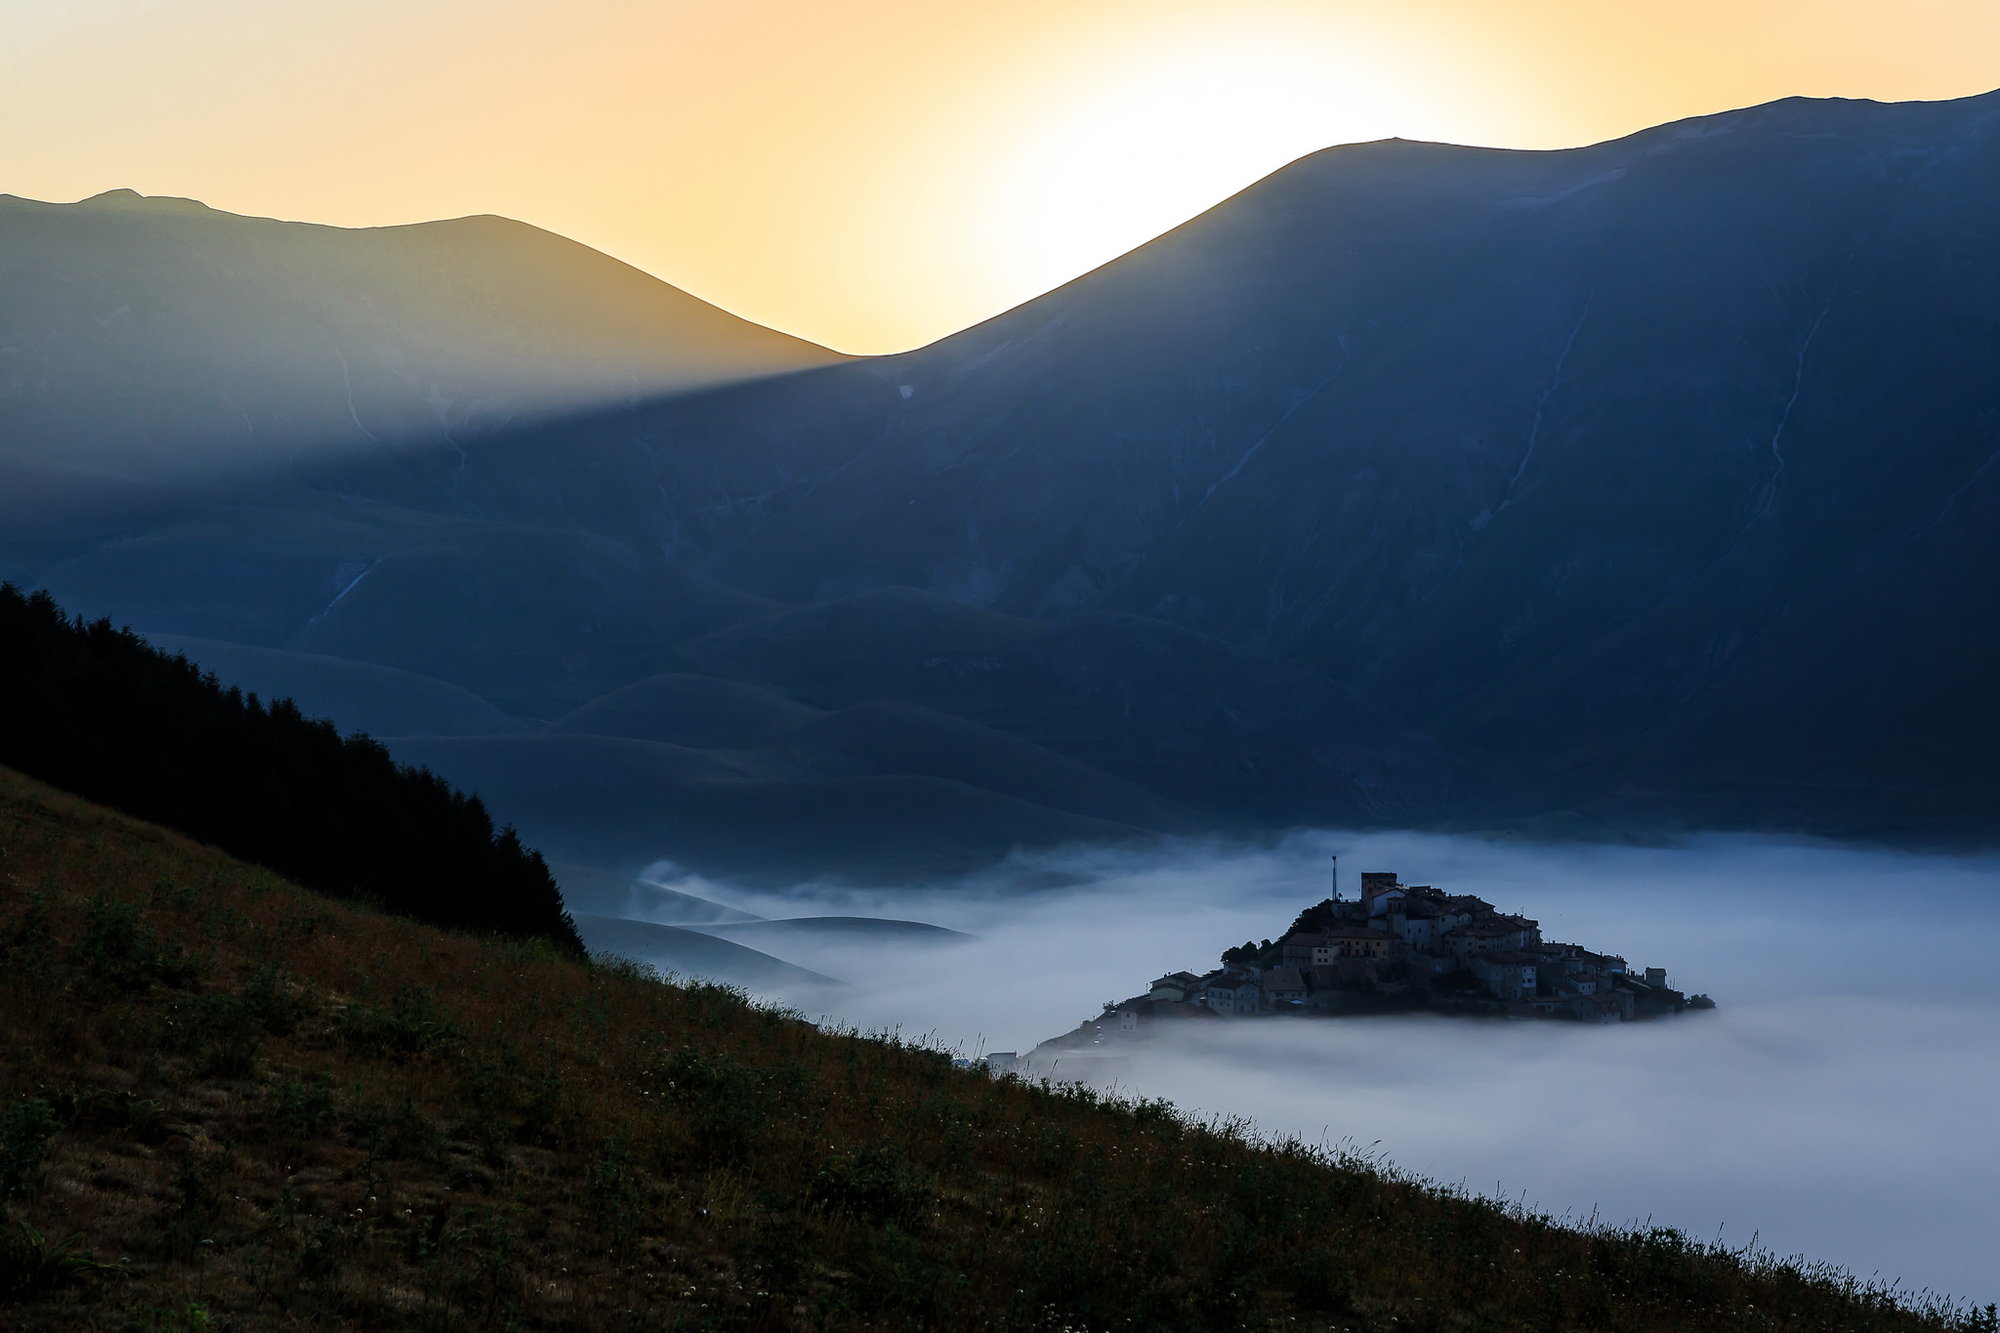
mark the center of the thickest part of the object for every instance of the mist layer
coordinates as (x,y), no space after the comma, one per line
(1837,1104)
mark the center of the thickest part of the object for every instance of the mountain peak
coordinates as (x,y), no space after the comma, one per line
(125,200)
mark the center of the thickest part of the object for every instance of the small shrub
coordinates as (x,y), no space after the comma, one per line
(172,893)
(119,949)
(775,1253)
(722,1100)
(1322,1281)
(303,1110)
(958,1142)
(495,1272)
(488,1100)
(875,1183)
(270,1000)
(410,1135)
(411,1025)
(116,942)
(1055,1149)
(181,1317)
(197,1198)
(28,942)
(1158,1114)
(326,1245)
(616,1193)
(105,1110)
(542,1117)
(225,1035)
(30,1263)
(24,1139)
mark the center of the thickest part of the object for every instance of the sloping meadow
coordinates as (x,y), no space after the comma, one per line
(231,1102)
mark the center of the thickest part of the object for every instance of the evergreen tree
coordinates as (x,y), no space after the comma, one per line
(101,713)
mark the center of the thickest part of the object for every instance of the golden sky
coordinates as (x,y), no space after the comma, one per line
(873,174)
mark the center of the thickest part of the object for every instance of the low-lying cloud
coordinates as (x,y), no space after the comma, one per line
(1838,1104)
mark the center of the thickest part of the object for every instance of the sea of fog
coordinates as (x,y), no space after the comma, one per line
(1840,1103)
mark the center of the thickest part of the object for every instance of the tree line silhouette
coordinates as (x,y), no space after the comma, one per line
(104,715)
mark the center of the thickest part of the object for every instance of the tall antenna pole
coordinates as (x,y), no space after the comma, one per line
(1336,877)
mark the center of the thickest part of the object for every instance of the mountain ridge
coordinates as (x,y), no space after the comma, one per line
(1634,393)
(1641,485)
(161,336)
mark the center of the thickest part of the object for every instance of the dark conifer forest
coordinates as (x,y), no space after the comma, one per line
(99,712)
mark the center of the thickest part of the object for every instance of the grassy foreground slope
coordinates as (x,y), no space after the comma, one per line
(230,1103)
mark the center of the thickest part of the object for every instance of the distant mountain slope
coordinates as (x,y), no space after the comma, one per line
(1651,483)
(159,337)
(608,893)
(703,712)
(604,801)
(1181,714)
(879,738)
(536,621)
(1657,473)
(841,946)
(252,432)
(692,955)
(855,929)
(356,696)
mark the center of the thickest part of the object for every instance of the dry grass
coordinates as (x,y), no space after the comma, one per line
(228,1103)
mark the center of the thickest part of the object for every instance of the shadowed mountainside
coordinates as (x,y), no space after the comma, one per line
(1190,717)
(870,739)
(1653,478)
(376,699)
(608,801)
(1632,487)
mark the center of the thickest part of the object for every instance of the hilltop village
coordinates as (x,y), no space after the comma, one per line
(1399,948)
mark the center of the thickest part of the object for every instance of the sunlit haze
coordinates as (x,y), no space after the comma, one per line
(877,173)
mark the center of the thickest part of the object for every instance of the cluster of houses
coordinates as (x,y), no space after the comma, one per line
(1398,947)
